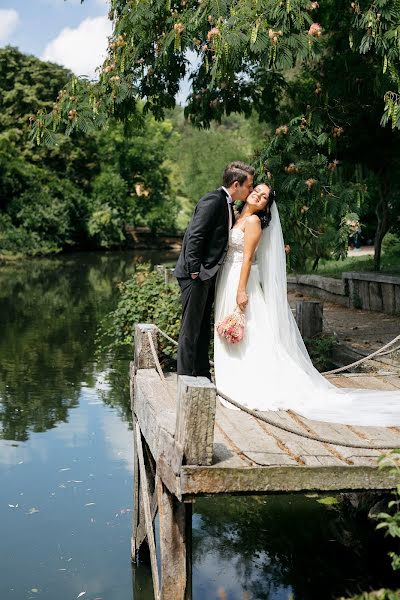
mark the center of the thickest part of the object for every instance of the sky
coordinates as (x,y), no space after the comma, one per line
(62,31)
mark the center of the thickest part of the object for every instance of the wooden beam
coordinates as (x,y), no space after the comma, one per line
(147,514)
(135,512)
(141,533)
(143,355)
(252,480)
(309,317)
(195,418)
(172,516)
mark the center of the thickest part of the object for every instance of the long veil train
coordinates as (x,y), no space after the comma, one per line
(271,369)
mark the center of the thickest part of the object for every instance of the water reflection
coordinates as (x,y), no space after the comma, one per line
(286,546)
(49,313)
(66,469)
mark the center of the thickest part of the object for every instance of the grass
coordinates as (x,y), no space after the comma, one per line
(390,264)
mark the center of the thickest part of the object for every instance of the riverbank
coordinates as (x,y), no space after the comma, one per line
(362,331)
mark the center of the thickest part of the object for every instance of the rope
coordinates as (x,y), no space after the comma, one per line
(358,362)
(378,352)
(166,336)
(271,421)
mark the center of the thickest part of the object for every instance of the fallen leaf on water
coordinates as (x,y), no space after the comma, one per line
(81,594)
(32,510)
(66,469)
(34,590)
(328,501)
(61,569)
(90,503)
(21,462)
(77,481)
(11,505)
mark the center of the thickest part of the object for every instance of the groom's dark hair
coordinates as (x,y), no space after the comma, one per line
(236,171)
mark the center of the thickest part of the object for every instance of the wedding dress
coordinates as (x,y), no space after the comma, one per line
(270,368)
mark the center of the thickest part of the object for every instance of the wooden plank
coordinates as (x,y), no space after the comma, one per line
(147,513)
(381,435)
(195,418)
(135,511)
(394,380)
(247,436)
(302,447)
(172,523)
(141,532)
(213,480)
(224,455)
(155,411)
(344,433)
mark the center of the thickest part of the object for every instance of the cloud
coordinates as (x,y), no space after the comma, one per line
(81,49)
(9,19)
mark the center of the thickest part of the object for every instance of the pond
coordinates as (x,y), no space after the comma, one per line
(66,469)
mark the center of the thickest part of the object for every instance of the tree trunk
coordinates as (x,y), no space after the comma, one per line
(315,263)
(382,213)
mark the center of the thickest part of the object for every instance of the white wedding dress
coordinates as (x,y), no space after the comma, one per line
(270,368)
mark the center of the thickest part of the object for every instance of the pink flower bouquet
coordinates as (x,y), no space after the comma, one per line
(231,328)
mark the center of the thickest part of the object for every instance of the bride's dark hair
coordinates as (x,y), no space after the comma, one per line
(265,214)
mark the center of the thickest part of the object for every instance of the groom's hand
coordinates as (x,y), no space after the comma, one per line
(194,275)
(241,299)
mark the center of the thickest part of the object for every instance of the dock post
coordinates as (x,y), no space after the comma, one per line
(195,419)
(175,521)
(309,317)
(143,359)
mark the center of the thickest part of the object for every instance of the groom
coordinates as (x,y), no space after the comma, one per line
(203,251)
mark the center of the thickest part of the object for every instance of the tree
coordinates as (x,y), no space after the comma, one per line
(253,56)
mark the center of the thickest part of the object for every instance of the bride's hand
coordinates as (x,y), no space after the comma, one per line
(241,299)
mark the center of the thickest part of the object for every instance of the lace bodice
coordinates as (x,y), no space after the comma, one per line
(236,244)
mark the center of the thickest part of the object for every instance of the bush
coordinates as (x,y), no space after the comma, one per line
(320,350)
(110,209)
(145,298)
(17,241)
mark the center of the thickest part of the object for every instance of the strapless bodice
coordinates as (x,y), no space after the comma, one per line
(236,245)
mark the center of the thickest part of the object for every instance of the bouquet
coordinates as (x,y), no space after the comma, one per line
(232,327)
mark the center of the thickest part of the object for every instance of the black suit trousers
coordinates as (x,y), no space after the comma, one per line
(194,336)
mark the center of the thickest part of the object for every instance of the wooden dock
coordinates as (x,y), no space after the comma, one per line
(187,444)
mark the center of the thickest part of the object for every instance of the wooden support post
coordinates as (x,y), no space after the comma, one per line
(145,498)
(143,354)
(174,517)
(135,512)
(195,418)
(309,317)
(166,272)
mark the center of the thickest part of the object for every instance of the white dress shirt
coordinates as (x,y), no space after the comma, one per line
(229,201)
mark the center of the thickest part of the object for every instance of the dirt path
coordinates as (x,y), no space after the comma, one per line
(362,329)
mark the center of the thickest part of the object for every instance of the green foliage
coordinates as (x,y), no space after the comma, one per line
(108,209)
(376,595)
(326,83)
(80,191)
(199,156)
(391,245)
(144,299)
(390,523)
(320,350)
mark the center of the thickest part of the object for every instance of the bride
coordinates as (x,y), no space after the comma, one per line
(270,368)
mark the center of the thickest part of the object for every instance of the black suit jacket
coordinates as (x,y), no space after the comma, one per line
(206,239)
